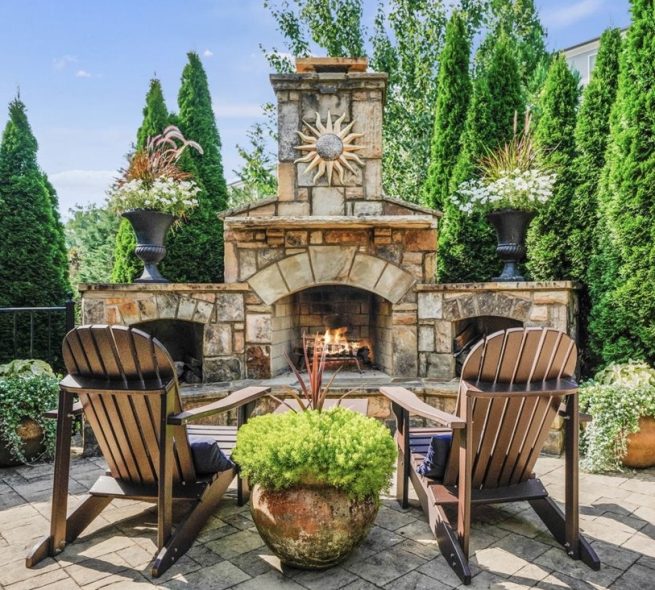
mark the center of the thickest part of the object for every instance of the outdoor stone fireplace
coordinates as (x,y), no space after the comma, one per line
(330,252)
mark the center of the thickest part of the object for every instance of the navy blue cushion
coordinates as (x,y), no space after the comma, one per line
(434,464)
(207,456)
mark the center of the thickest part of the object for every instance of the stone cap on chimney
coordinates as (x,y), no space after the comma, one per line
(343,65)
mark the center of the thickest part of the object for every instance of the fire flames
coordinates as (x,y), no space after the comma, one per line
(337,342)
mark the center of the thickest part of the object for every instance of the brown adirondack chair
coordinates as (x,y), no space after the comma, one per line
(128,393)
(513,385)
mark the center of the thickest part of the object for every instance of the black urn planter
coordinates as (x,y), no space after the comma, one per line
(511,227)
(150,228)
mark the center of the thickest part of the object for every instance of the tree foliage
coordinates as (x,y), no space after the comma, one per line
(91,236)
(257,178)
(549,255)
(450,113)
(127,266)
(520,20)
(33,268)
(466,242)
(407,38)
(591,135)
(195,248)
(623,318)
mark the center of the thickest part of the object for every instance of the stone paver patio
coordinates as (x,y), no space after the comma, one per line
(511,548)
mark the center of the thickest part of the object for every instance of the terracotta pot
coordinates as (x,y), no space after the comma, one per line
(32,436)
(641,445)
(311,527)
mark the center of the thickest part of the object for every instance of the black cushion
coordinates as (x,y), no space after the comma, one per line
(207,456)
(434,464)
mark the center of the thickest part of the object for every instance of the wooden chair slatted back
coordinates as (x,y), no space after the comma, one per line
(508,433)
(127,426)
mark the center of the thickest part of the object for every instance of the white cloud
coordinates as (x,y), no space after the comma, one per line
(82,74)
(61,63)
(238,110)
(207,53)
(570,14)
(81,186)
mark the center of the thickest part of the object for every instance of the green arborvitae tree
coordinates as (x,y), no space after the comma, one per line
(195,248)
(31,271)
(623,317)
(60,234)
(127,266)
(467,243)
(549,256)
(453,97)
(591,135)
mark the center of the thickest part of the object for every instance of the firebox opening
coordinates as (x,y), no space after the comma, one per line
(183,340)
(471,330)
(352,324)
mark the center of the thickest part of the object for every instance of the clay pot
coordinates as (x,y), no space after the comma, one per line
(311,527)
(641,445)
(32,437)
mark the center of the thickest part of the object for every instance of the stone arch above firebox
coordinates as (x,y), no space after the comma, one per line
(321,265)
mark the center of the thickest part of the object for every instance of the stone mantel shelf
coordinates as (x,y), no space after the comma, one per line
(500,286)
(334,221)
(163,287)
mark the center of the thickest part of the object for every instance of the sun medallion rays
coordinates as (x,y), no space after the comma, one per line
(330,148)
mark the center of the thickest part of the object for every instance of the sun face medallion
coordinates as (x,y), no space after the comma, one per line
(330,148)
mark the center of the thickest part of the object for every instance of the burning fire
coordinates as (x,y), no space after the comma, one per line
(337,343)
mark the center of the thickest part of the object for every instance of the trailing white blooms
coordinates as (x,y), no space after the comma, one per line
(515,189)
(163,194)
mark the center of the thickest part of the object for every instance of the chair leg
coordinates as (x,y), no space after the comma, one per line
(243,491)
(84,515)
(56,540)
(464,482)
(404,455)
(186,533)
(551,515)
(449,543)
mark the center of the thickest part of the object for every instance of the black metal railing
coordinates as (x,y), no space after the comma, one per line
(35,332)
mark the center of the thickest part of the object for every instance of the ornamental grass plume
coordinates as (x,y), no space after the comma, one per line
(153,179)
(512,176)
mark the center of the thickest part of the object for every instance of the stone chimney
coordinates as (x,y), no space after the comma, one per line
(330,138)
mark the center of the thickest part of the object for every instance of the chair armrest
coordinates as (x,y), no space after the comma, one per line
(53,414)
(234,400)
(408,401)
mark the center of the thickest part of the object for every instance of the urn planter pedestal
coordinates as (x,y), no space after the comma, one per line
(511,227)
(150,228)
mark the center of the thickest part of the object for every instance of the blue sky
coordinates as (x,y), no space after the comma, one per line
(83,68)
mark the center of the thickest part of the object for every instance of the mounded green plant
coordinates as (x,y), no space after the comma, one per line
(27,390)
(616,398)
(336,447)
